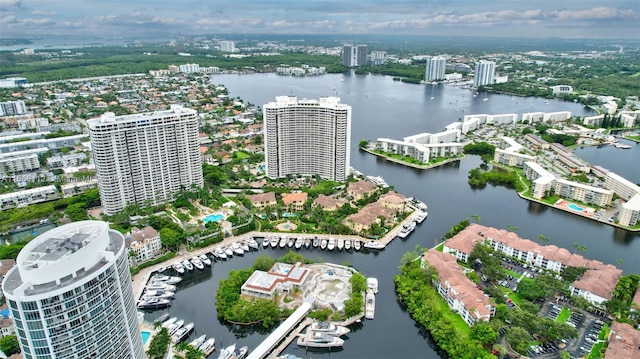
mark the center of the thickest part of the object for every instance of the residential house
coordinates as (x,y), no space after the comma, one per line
(262,200)
(294,201)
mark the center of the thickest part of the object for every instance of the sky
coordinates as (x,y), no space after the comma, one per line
(132,19)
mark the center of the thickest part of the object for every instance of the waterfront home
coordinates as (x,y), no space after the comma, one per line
(294,201)
(281,278)
(329,203)
(361,189)
(262,200)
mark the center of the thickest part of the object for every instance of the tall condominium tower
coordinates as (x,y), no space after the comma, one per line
(485,72)
(435,68)
(307,137)
(354,55)
(145,158)
(71,297)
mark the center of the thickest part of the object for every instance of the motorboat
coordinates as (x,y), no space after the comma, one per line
(372,284)
(307,243)
(357,245)
(161,319)
(219,252)
(378,181)
(197,263)
(169,322)
(182,333)
(407,228)
(421,216)
(158,294)
(237,249)
(370,305)
(244,246)
(197,342)
(331,244)
(227,352)
(251,243)
(178,267)
(205,259)
(187,265)
(283,242)
(175,326)
(347,244)
(265,242)
(323,243)
(166,279)
(373,244)
(242,352)
(274,241)
(228,251)
(328,328)
(154,303)
(340,243)
(299,243)
(208,346)
(313,339)
(159,286)
(291,242)
(316,242)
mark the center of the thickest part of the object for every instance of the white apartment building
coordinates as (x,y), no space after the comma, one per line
(70,160)
(145,243)
(511,158)
(146,157)
(622,187)
(71,297)
(630,213)
(593,120)
(28,196)
(435,68)
(12,108)
(354,55)
(417,151)
(76,187)
(484,73)
(31,123)
(189,68)
(433,138)
(532,117)
(583,193)
(227,46)
(543,181)
(378,57)
(561,90)
(48,143)
(629,118)
(307,137)
(19,163)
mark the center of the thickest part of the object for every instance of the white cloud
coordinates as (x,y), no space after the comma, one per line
(43,13)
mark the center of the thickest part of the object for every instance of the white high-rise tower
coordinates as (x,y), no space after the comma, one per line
(485,72)
(307,137)
(435,68)
(145,158)
(71,297)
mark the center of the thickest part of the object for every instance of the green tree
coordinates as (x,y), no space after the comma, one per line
(170,238)
(484,333)
(9,345)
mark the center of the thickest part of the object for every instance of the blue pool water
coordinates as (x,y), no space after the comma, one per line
(213,218)
(574,207)
(289,215)
(145,337)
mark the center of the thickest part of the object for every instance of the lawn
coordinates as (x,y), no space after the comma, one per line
(595,351)
(565,313)
(460,325)
(241,155)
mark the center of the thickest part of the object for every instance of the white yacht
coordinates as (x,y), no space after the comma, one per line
(154,303)
(155,285)
(347,244)
(205,259)
(372,284)
(219,252)
(313,339)
(357,245)
(316,242)
(373,244)
(377,180)
(158,294)
(323,243)
(291,242)
(228,251)
(340,243)
(407,228)
(299,243)
(208,346)
(331,244)
(421,216)
(251,243)
(237,248)
(178,267)
(182,333)
(328,328)
(370,305)
(307,243)
(227,352)
(265,242)
(169,322)
(274,241)
(187,265)
(197,342)
(242,352)
(244,246)
(166,279)
(175,326)
(197,263)
(283,242)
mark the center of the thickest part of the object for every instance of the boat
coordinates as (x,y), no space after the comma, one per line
(244,246)
(175,326)
(219,252)
(377,180)
(307,243)
(228,251)
(622,146)
(158,293)
(407,228)
(331,243)
(372,244)
(242,352)
(486,99)
(323,243)
(166,279)
(208,346)
(236,248)
(274,241)
(169,322)
(291,242)
(287,356)
(340,243)
(159,286)
(421,216)
(178,267)
(265,242)
(357,245)
(251,243)
(197,342)
(205,259)
(187,265)
(182,333)
(283,242)
(299,243)
(197,263)
(316,242)
(372,284)
(370,305)
(227,352)
(328,328)
(313,339)
(162,318)
(347,244)
(154,303)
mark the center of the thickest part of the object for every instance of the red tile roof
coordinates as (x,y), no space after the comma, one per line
(624,342)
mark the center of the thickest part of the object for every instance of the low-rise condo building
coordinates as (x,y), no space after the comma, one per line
(27,197)
(624,342)
(622,187)
(542,180)
(630,213)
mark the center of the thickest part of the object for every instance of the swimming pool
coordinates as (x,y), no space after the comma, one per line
(288,215)
(574,207)
(145,337)
(216,217)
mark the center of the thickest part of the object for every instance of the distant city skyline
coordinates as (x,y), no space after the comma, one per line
(146,18)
